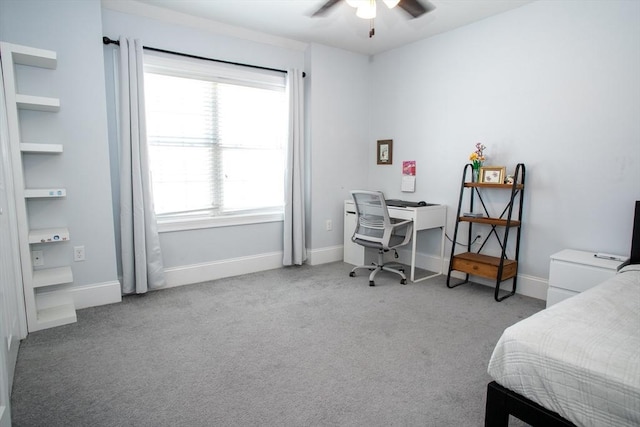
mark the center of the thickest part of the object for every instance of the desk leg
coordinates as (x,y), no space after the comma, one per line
(442,251)
(414,244)
(413,258)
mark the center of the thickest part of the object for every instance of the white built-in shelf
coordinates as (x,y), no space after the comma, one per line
(34,193)
(29,147)
(52,276)
(53,309)
(45,307)
(56,316)
(37,103)
(34,57)
(49,235)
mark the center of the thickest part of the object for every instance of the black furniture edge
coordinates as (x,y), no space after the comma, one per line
(502,402)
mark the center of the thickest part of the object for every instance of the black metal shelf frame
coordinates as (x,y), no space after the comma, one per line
(504,221)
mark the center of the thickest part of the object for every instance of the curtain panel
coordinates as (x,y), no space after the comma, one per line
(295,252)
(142,266)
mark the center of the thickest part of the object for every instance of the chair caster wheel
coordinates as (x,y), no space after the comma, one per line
(371,283)
(401,270)
(403,281)
(352,274)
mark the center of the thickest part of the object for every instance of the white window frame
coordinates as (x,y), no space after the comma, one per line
(223,73)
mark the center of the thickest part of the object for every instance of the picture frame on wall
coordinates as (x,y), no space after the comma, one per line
(492,174)
(384,151)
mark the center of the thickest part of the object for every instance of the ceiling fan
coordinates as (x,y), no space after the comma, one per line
(366,9)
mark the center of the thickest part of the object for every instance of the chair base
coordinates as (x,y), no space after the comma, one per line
(376,267)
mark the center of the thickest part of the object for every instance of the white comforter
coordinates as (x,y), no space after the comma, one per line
(580,357)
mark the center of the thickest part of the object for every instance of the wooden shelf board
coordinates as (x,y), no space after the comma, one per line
(52,276)
(28,147)
(486,185)
(490,221)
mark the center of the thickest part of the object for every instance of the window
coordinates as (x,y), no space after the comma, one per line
(217,138)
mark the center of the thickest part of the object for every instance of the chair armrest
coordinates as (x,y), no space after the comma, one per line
(389,231)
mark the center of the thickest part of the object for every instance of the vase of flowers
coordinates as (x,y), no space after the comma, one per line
(477,159)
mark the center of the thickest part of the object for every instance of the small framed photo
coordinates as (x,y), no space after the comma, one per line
(384,152)
(492,174)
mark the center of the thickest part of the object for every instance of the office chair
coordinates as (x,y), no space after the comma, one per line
(375,229)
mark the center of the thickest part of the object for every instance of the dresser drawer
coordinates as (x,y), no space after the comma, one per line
(555,295)
(576,277)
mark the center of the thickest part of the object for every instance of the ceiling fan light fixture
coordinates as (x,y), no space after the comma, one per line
(366,10)
(390,3)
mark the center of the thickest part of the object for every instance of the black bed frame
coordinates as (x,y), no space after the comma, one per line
(502,402)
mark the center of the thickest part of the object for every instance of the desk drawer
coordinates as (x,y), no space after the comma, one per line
(401,213)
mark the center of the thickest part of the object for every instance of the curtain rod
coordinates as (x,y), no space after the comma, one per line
(107,40)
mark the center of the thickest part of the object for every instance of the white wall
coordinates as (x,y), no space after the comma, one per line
(338,118)
(337,113)
(553,84)
(181,249)
(73,30)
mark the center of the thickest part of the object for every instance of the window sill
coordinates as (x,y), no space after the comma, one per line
(181,224)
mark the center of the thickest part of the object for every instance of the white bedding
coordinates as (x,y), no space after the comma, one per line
(580,357)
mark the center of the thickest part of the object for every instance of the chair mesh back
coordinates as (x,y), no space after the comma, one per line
(372,212)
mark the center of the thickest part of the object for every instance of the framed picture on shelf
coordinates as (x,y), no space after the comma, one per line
(492,174)
(384,152)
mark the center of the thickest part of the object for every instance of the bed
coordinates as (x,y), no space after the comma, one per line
(575,363)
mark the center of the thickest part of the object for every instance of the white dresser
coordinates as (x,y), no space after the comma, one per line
(572,272)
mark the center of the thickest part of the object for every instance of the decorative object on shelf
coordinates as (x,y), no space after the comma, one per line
(385,151)
(477,159)
(492,174)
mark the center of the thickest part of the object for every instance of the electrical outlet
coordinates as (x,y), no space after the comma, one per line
(329,225)
(78,253)
(37,258)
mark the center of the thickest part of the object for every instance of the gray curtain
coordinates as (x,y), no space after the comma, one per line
(295,252)
(142,267)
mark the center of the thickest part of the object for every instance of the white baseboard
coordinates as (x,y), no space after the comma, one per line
(325,255)
(196,273)
(83,296)
(530,286)
(110,292)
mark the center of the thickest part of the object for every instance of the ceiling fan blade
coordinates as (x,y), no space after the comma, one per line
(325,7)
(415,8)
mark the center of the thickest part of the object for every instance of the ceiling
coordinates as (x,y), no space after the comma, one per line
(291,19)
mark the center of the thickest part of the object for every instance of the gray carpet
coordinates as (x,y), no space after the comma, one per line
(300,346)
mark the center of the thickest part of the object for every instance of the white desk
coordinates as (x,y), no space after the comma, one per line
(423,217)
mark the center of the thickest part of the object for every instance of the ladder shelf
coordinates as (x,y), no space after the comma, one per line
(493,266)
